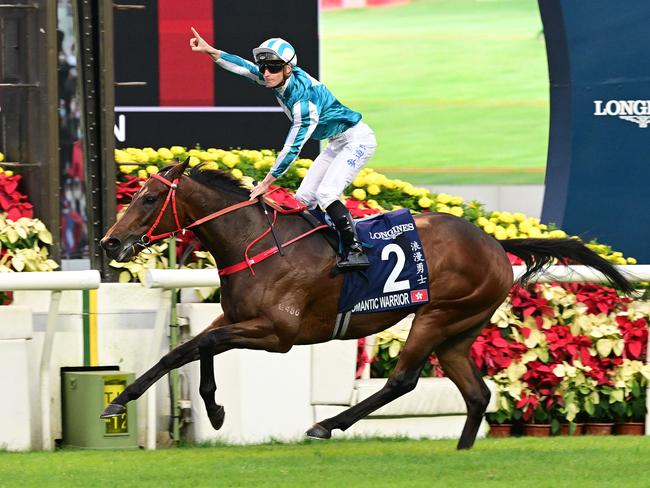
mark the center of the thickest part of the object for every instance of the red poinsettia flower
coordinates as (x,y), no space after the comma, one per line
(635,335)
(597,298)
(529,303)
(492,353)
(11,200)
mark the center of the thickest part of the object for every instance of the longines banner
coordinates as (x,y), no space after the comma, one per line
(598,171)
(167,94)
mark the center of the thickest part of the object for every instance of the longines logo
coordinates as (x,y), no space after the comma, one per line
(637,111)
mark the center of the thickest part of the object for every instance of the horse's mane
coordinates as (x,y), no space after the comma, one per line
(217,179)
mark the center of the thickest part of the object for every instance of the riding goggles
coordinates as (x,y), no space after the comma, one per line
(272,67)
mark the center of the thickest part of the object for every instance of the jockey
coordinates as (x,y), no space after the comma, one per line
(314,113)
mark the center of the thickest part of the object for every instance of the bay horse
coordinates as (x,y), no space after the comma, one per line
(292,298)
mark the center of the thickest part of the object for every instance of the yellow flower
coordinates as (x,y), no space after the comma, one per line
(230,160)
(9,173)
(512,231)
(506,217)
(490,227)
(128,168)
(443,198)
(206,156)
(359,181)
(2,157)
(237,173)
(519,217)
(152,170)
(122,156)
(373,204)
(374,189)
(482,221)
(305,163)
(194,152)
(425,202)
(165,153)
(631,261)
(301,172)
(557,234)
(500,233)
(142,174)
(176,150)
(194,161)
(209,165)
(359,194)
(456,200)
(457,211)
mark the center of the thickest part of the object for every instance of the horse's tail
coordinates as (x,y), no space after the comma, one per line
(538,254)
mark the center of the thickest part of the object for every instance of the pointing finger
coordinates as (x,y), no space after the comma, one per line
(195,33)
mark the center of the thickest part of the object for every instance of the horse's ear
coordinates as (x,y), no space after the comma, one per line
(184,164)
(177,170)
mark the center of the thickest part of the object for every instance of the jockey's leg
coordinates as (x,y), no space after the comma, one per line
(354,258)
(356,147)
(306,192)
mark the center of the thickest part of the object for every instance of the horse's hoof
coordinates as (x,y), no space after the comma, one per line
(217,417)
(318,432)
(112,410)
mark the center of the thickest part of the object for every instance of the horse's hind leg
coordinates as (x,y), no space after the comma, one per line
(455,359)
(183,354)
(421,341)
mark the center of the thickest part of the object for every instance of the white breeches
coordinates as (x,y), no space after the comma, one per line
(337,166)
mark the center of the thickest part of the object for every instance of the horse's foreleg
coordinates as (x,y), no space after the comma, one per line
(257,333)
(183,354)
(455,359)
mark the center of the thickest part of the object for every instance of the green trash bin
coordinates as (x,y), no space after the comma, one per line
(84,396)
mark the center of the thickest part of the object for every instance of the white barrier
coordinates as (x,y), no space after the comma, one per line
(584,274)
(181,278)
(57,281)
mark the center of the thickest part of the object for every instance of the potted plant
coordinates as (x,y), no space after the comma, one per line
(628,397)
(535,414)
(509,389)
(574,389)
(598,407)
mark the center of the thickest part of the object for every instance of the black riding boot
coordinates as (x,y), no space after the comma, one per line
(354,258)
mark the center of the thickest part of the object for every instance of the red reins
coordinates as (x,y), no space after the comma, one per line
(148,238)
(171,196)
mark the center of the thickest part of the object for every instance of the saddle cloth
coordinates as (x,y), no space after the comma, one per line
(397,276)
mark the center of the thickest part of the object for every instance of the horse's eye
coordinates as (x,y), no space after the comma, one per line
(149,199)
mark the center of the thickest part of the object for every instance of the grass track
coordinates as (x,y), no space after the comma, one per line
(521,462)
(444,83)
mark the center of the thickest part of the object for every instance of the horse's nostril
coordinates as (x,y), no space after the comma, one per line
(110,244)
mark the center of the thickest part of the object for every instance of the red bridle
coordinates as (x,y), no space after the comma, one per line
(148,238)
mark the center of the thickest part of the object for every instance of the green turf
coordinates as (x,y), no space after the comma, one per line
(523,462)
(456,84)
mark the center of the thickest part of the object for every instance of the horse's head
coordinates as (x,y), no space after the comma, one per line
(147,213)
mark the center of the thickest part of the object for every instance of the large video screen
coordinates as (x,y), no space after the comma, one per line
(168,95)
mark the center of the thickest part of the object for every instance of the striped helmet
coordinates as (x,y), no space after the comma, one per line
(275,49)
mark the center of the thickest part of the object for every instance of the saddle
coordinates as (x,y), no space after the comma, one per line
(285,202)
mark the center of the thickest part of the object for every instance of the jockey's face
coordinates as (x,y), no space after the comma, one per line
(275,80)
